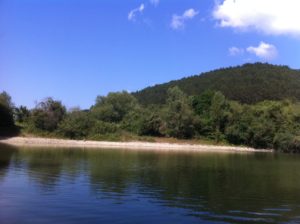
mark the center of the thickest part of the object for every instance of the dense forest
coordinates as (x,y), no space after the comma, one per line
(250,83)
(209,115)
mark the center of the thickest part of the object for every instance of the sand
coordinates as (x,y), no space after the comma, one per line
(59,143)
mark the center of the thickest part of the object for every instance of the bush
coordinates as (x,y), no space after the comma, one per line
(114,107)
(286,142)
(101,127)
(178,116)
(76,125)
(48,114)
(151,125)
(22,114)
(6,111)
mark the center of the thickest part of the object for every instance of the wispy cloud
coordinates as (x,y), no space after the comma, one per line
(154,2)
(234,51)
(267,16)
(178,21)
(133,12)
(264,51)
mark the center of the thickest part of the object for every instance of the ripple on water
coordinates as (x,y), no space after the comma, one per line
(133,187)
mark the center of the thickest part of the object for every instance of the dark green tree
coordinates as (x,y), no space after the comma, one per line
(178,116)
(113,107)
(76,125)
(218,114)
(21,114)
(47,114)
(152,122)
(6,111)
(201,103)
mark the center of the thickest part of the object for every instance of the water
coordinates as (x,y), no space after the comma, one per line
(121,186)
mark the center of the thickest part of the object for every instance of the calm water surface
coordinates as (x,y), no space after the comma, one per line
(119,186)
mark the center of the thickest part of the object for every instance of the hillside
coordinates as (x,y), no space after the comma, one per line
(249,83)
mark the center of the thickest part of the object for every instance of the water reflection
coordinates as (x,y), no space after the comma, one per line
(5,158)
(231,188)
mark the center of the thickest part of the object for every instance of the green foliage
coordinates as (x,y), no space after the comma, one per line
(152,122)
(6,111)
(246,105)
(218,114)
(178,115)
(263,124)
(201,103)
(113,107)
(212,110)
(133,120)
(286,142)
(250,83)
(102,127)
(237,129)
(21,114)
(5,100)
(143,121)
(47,115)
(76,125)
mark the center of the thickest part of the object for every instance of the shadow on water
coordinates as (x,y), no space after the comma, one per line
(216,187)
(6,154)
(47,166)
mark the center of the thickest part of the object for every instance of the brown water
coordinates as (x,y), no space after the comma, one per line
(119,186)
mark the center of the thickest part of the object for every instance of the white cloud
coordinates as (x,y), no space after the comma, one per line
(154,2)
(178,22)
(274,17)
(189,14)
(132,13)
(264,51)
(234,51)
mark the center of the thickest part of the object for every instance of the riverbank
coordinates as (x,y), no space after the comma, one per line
(58,143)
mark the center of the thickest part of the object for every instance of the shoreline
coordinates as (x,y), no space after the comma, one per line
(134,145)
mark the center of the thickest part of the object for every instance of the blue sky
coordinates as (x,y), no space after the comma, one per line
(74,50)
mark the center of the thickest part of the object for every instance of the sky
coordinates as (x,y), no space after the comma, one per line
(74,50)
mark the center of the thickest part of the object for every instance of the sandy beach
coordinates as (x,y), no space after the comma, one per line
(59,143)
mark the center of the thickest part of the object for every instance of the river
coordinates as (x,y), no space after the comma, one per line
(40,185)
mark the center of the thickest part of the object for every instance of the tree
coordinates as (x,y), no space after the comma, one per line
(249,83)
(178,116)
(152,122)
(133,120)
(237,130)
(269,124)
(113,107)
(76,125)
(21,114)
(201,103)
(218,109)
(143,121)
(6,110)
(47,114)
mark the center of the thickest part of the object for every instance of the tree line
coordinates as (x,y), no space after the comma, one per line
(249,83)
(210,115)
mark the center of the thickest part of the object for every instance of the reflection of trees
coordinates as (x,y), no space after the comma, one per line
(215,183)
(222,182)
(111,170)
(6,153)
(213,177)
(46,167)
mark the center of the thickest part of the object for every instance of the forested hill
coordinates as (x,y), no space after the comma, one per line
(249,83)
